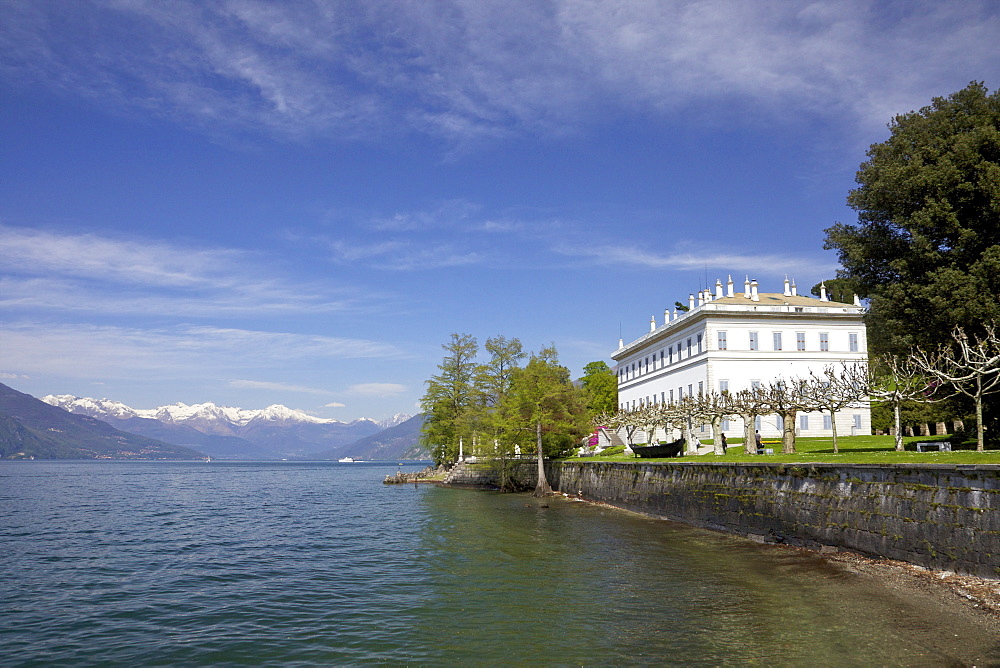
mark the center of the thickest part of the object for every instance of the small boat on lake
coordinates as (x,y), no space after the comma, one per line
(346,460)
(662,450)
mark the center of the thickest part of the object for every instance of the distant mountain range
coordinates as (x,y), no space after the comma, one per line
(397,442)
(33,429)
(226,432)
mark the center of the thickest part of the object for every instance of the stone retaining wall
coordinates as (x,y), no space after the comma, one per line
(940,516)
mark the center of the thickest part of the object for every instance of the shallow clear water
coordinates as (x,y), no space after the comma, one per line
(286,563)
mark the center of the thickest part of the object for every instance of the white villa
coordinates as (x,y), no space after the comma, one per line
(736,341)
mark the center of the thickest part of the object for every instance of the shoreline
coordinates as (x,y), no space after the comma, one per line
(977,598)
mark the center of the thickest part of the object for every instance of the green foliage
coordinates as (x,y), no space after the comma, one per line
(544,401)
(450,399)
(600,388)
(613,450)
(926,248)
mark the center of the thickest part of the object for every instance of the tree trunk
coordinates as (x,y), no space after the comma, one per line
(717,435)
(899,429)
(749,435)
(693,442)
(542,488)
(833,426)
(980,441)
(788,434)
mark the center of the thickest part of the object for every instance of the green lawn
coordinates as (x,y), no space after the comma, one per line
(853,450)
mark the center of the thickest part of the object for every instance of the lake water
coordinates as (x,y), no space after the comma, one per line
(223,563)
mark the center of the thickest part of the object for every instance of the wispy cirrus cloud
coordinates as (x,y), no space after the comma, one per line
(275,387)
(770,264)
(53,271)
(104,351)
(468,69)
(377,389)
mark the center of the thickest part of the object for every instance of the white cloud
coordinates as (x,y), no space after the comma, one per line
(377,389)
(94,351)
(334,404)
(472,68)
(764,264)
(86,272)
(278,387)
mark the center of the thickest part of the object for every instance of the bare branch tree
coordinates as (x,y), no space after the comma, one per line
(894,380)
(837,388)
(787,398)
(748,404)
(970,367)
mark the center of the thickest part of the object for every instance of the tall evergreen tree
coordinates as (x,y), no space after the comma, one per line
(449,402)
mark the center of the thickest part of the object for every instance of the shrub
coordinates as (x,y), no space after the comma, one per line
(613,450)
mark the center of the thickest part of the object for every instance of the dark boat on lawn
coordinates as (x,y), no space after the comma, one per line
(663,450)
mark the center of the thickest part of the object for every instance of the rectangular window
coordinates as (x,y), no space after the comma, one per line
(757,423)
(857,421)
(689,346)
(699,344)
(753,341)
(670,355)
(680,393)
(780,421)
(777,340)
(725,424)
(671,396)
(723,386)
(853,341)
(722,341)
(701,387)
(663,397)
(755,384)
(827,422)
(804,422)
(800,340)
(691,390)
(824,341)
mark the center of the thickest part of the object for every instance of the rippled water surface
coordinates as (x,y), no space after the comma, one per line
(135,563)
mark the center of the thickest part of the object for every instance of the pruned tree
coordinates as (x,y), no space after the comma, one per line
(968,366)
(894,380)
(837,388)
(748,404)
(787,398)
(716,407)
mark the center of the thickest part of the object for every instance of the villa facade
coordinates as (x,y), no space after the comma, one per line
(730,341)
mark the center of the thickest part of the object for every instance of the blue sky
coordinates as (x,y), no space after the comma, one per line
(298,202)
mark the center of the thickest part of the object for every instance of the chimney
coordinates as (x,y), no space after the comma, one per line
(795,291)
(675,314)
(621,343)
(729,286)
(753,291)
(666,316)
(652,323)
(822,293)
(746,288)
(718,288)
(691,302)
(788,290)
(701,298)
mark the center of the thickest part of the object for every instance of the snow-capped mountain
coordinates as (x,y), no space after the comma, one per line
(227,431)
(397,419)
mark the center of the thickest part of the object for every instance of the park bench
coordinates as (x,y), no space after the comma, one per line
(936,446)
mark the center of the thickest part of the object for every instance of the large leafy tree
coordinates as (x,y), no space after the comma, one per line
(926,247)
(600,388)
(450,401)
(544,403)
